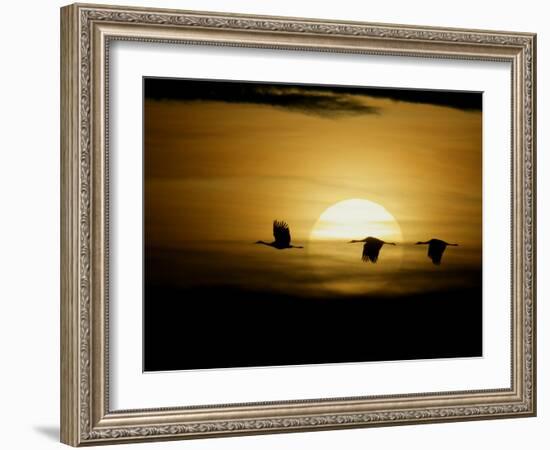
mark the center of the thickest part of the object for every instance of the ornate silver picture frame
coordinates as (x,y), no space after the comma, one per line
(87,415)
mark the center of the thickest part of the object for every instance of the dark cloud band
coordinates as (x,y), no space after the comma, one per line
(325,101)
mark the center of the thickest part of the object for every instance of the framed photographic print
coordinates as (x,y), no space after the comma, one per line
(275,224)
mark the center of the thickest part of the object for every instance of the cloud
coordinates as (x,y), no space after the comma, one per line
(462,100)
(324,101)
(308,100)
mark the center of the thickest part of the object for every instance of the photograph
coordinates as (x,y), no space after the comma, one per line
(296,224)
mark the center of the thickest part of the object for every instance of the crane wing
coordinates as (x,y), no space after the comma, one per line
(371,249)
(366,253)
(281,233)
(435,251)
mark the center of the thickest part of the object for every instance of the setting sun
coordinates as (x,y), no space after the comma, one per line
(356,219)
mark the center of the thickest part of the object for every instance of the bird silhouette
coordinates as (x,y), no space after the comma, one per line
(372,247)
(436,247)
(281,233)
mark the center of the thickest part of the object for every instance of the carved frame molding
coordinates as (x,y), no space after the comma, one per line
(86,32)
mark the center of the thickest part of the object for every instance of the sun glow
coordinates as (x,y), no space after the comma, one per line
(356,219)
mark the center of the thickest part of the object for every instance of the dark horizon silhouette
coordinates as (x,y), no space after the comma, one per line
(436,248)
(275,329)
